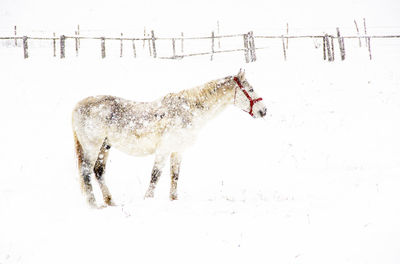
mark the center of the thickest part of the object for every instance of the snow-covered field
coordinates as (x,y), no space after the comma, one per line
(317,181)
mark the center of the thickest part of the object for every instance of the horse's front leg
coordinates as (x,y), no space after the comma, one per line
(175,167)
(155,174)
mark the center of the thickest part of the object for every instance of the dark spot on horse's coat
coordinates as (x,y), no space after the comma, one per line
(155,174)
(86,179)
(175,176)
(99,171)
(107,147)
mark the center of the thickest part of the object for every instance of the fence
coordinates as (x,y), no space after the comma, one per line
(248,48)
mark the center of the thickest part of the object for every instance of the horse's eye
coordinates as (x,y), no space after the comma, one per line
(251,90)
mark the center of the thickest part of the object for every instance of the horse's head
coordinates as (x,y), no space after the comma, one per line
(246,99)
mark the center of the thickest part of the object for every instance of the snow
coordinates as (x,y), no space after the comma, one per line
(316,181)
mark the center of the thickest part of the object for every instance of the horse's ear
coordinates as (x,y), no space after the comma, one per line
(241,74)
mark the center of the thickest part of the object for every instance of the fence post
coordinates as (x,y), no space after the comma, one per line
(358,33)
(76,43)
(15,34)
(284,48)
(173,49)
(149,43)
(328,47)
(287,34)
(365,32)
(324,46)
(62,47)
(54,44)
(134,48)
(333,49)
(121,46)
(153,40)
(246,47)
(182,43)
(369,47)
(79,33)
(103,47)
(341,44)
(212,45)
(25,45)
(252,47)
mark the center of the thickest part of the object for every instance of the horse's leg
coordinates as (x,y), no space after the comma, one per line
(99,170)
(155,175)
(85,170)
(175,167)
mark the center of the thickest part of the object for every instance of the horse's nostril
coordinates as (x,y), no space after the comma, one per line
(263,112)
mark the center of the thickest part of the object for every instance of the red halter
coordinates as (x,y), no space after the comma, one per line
(251,100)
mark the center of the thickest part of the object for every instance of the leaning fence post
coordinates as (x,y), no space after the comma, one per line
(328,47)
(153,40)
(212,45)
(246,47)
(134,48)
(76,43)
(284,47)
(103,47)
(25,45)
(62,46)
(369,47)
(358,33)
(341,44)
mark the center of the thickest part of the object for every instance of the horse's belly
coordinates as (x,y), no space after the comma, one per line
(136,146)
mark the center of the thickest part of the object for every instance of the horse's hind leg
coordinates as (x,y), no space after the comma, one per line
(85,170)
(99,170)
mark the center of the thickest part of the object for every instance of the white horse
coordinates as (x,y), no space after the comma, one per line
(165,127)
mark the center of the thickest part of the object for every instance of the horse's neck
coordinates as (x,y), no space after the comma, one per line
(213,97)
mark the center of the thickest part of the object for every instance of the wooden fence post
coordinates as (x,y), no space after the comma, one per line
(369,47)
(62,47)
(212,45)
(79,33)
(333,49)
(328,47)
(54,44)
(246,47)
(252,47)
(25,45)
(341,45)
(15,34)
(284,48)
(103,47)
(324,46)
(76,43)
(287,34)
(134,48)
(365,32)
(173,49)
(149,43)
(153,40)
(182,43)
(121,46)
(358,33)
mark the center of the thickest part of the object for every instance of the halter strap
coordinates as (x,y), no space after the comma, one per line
(251,100)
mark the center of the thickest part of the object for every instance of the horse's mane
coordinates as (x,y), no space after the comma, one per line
(202,95)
